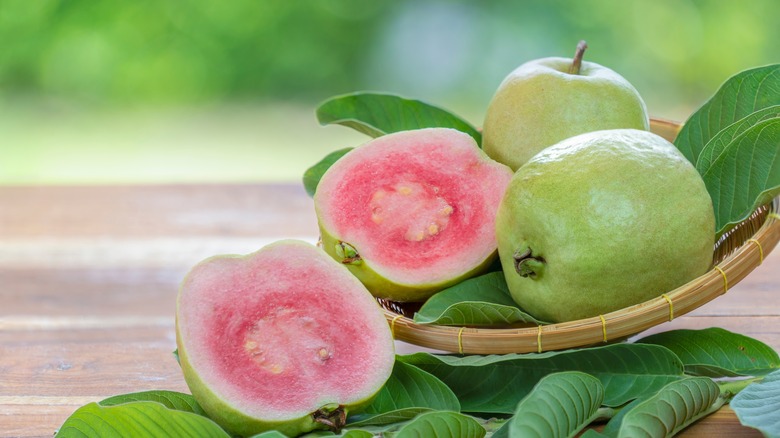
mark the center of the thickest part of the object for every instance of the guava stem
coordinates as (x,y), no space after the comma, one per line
(347,253)
(526,264)
(335,420)
(576,64)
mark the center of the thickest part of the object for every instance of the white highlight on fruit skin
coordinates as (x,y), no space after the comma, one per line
(392,207)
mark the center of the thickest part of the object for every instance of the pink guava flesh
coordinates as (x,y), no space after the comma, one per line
(281,332)
(419,206)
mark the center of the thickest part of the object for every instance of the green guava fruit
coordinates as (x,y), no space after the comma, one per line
(412,212)
(281,339)
(547,100)
(602,221)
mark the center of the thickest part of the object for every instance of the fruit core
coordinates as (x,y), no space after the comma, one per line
(411,209)
(283,351)
(267,340)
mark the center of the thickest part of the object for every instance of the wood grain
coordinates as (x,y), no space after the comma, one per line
(89,275)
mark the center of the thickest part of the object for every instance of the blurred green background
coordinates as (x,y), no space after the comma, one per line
(102,91)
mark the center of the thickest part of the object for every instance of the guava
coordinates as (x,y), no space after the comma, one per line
(412,212)
(284,339)
(547,100)
(602,221)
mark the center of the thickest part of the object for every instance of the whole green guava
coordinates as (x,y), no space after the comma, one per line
(548,100)
(602,221)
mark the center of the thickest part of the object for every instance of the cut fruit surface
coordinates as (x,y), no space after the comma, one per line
(264,338)
(412,212)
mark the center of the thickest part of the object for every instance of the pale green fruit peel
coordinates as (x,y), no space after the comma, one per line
(608,219)
(382,287)
(541,103)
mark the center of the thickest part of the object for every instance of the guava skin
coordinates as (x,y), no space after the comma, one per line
(381,287)
(602,221)
(540,104)
(243,322)
(232,419)
(412,212)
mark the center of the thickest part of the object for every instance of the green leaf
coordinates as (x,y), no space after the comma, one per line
(757,405)
(442,424)
(144,418)
(613,426)
(376,114)
(270,434)
(313,175)
(719,143)
(356,433)
(351,433)
(745,175)
(385,418)
(495,384)
(560,405)
(741,95)
(479,301)
(672,409)
(170,399)
(715,352)
(411,387)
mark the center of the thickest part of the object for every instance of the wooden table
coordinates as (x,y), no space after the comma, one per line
(89,275)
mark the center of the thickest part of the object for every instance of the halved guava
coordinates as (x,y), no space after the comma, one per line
(284,339)
(412,212)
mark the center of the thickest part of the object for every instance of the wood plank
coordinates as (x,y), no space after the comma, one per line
(88,280)
(156,210)
(47,373)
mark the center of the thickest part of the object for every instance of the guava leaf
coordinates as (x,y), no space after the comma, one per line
(560,405)
(495,384)
(170,399)
(741,95)
(715,352)
(757,405)
(356,433)
(443,424)
(143,418)
(270,434)
(377,114)
(478,301)
(411,387)
(672,409)
(313,175)
(745,175)
(385,418)
(344,433)
(612,427)
(719,143)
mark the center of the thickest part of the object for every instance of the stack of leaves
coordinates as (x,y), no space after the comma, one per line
(655,386)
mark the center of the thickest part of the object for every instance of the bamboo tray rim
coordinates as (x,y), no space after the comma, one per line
(617,325)
(610,327)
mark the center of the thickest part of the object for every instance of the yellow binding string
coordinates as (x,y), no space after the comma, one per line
(671,306)
(460,340)
(774,215)
(392,325)
(603,327)
(725,280)
(760,250)
(539,340)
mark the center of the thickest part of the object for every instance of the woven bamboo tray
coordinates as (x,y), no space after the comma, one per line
(735,255)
